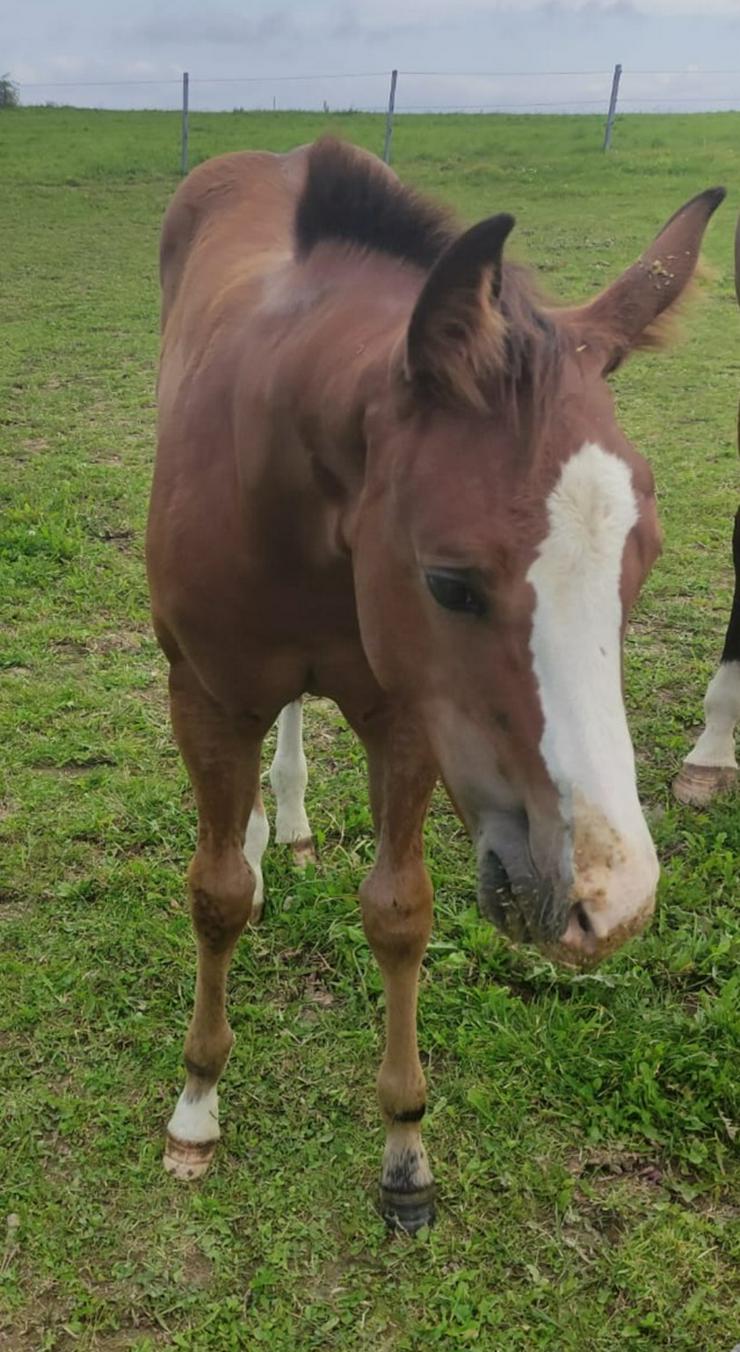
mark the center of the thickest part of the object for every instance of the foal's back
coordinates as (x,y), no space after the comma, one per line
(234,214)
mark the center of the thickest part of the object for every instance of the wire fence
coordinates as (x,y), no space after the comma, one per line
(409,92)
(424,91)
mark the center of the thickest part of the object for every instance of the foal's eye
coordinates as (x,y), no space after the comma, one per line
(455,591)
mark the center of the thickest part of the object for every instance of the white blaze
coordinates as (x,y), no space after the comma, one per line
(576,651)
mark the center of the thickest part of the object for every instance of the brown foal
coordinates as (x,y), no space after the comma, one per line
(389,474)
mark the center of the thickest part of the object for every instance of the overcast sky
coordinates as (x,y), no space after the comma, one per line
(491,49)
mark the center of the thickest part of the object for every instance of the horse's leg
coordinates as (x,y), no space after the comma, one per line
(222,757)
(255,844)
(288,778)
(397,915)
(711,767)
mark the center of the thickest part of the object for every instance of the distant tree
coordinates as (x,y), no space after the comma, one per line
(10,94)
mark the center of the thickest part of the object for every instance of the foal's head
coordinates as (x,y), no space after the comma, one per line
(505,531)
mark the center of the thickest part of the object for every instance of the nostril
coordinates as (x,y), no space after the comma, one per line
(580,933)
(582,918)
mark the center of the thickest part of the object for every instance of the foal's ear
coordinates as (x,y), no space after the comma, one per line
(457,332)
(636,310)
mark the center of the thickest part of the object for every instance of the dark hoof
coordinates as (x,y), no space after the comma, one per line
(407,1211)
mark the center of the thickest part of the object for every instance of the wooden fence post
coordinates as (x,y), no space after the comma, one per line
(612,107)
(185,127)
(389,118)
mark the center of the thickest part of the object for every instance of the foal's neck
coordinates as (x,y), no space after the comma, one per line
(341,350)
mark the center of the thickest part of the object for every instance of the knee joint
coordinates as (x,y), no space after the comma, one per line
(396,911)
(221,894)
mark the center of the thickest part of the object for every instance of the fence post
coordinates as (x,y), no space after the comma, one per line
(185,128)
(389,118)
(612,107)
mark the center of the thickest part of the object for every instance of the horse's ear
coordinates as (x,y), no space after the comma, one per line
(457,332)
(637,309)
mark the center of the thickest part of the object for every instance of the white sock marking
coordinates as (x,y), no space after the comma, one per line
(716,746)
(196,1119)
(255,844)
(289,777)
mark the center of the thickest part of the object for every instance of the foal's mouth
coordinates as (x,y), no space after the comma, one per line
(531,912)
(498,900)
(526,909)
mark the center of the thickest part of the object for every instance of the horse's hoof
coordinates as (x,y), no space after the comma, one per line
(407,1211)
(303,852)
(699,785)
(187,1160)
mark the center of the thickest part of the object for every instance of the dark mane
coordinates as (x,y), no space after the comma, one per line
(535,344)
(349,197)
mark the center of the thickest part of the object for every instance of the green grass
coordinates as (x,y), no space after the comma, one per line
(581,1128)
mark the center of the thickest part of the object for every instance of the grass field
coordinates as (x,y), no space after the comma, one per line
(582,1128)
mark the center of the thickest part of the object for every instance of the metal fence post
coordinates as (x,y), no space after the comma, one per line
(185,127)
(612,107)
(389,118)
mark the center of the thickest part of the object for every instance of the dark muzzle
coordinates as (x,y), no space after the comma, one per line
(526,908)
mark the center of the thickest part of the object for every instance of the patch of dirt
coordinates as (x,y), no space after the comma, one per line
(125,641)
(10,896)
(121,537)
(304,974)
(71,645)
(605,1165)
(124,1339)
(103,457)
(74,767)
(198,1269)
(595,1221)
(330,1281)
(44,1313)
(13,904)
(317,994)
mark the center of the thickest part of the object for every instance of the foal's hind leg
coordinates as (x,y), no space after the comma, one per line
(288,779)
(711,767)
(397,915)
(255,844)
(222,756)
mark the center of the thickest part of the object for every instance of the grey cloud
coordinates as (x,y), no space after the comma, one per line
(261,41)
(219,29)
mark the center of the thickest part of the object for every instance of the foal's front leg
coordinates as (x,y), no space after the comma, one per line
(397,916)
(222,756)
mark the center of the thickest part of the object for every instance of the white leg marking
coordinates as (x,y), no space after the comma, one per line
(404,1148)
(289,777)
(716,746)
(576,657)
(196,1120)
(255,844)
